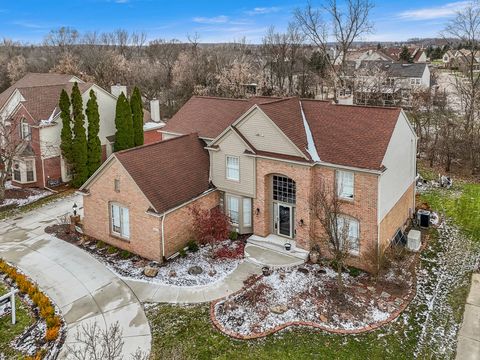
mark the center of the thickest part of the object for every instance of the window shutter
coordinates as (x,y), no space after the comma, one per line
(247,212)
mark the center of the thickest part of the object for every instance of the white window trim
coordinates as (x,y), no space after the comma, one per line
(339,183)
(22,168)
(247,204)
(227,168)
(238,199)
(354,252)
(120,234)
(23,124)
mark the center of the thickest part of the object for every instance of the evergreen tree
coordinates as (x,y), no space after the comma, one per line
(79,147)
(123,121)
(66,134)
(405,55)
(137,116)
(93,145)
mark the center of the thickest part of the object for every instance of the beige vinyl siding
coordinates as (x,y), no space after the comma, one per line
(264,135)
(232,145)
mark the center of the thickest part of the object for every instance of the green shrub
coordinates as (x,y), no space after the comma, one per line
(233,235)
(125,254)
(182,253)
(354,271)
(100,244)
(112,249)
(192,246)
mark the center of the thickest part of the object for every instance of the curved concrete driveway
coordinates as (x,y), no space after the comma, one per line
(84,289)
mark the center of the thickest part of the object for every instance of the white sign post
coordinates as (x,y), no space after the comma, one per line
(10,297)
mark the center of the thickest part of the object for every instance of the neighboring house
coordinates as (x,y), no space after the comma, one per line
(267,156)
(32,103)
(417,55)
(395,83)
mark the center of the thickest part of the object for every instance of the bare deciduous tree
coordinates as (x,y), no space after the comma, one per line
(327,210)
(345,23)
(93,343)
(12,145)
(465,27)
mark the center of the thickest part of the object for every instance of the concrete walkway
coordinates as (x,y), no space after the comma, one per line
(160,293)
(83,288)
(468,347)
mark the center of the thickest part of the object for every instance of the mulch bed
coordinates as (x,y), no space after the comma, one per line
(308,295)
(63,232)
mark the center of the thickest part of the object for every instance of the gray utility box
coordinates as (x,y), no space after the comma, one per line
(414,240)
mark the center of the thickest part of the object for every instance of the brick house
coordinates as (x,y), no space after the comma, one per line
(266,157)
(31,106)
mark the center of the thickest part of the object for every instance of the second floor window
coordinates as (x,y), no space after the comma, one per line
(25,131)
(233,168)
(345,184)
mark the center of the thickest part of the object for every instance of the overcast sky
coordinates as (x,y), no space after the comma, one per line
(214,21)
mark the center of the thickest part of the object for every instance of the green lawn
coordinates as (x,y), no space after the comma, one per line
(462,204)
(426,330)
(8,332)
(4,214)
(185,332)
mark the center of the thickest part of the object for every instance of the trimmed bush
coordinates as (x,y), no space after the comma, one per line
(192,246)
(45,307)
(182,253)
(233,235)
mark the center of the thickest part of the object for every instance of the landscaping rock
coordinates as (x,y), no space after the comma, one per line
(302,270)
(384,295)
(362,290)
(323,318)
(371,288)
(212,273)
(314,257)
(150,271)
(398,302)
(230,305)
(195,270)
(172,273)
(278,309)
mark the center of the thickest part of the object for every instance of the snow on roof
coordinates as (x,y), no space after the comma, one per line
(153,125)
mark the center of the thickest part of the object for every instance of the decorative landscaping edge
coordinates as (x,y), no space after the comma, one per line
(408,299)
(46,309)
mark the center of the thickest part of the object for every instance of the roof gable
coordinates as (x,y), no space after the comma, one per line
(349,135)
(169,173)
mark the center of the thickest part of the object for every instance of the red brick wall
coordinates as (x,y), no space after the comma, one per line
(152,136)
(20,113)
(178,224)
(363,208)
(144,229)
(262,223)
(53,169)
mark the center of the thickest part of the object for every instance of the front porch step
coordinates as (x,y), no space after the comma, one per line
(277,243)
(263,256)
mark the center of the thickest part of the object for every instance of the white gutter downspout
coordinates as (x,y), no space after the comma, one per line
(163,237)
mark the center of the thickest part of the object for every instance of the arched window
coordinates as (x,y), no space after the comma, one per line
(284,189)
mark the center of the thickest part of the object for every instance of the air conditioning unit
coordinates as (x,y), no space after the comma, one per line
(414,240)
(423,218)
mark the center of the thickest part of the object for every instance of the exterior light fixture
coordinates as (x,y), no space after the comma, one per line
(74,207)
(257,211)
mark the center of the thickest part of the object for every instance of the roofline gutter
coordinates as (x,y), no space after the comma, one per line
(159,215)
(352,168)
